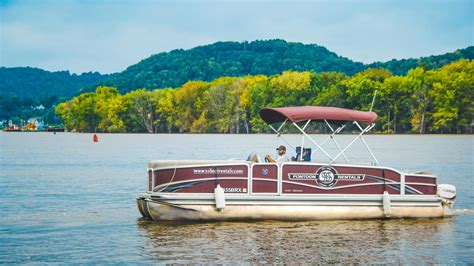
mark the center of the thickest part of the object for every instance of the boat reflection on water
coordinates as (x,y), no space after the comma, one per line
(364,241)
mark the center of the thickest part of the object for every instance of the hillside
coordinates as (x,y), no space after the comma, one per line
(35,83)
(422,101)
(234,59)
(401,67)
(172,69)
(206,63)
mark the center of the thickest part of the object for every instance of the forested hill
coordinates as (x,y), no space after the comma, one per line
(35,83)
(401,67)
(206,63)
(172,69)
(422,101)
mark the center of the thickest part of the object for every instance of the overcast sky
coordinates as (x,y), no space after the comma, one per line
(108,36)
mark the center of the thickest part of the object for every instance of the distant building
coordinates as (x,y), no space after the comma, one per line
(39,107)
(38,124)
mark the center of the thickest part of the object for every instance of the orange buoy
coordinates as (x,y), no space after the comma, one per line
(96,139)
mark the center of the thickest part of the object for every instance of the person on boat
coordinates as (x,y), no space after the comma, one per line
(282,157)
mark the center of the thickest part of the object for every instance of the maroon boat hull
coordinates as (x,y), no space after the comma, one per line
(296,178)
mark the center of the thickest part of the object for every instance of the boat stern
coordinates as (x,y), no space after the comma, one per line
(447,193)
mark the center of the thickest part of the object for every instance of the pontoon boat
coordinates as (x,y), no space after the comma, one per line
(295,190)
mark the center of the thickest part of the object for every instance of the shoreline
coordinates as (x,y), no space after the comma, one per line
(243,134)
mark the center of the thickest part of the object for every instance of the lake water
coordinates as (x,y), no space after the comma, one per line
(64,199)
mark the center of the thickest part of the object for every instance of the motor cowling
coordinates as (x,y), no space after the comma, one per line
(448,194)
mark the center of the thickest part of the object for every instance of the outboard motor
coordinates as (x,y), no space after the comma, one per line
(448,194)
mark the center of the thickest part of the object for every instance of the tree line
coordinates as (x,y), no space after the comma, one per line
(260,57)
(422,101)
(35,83)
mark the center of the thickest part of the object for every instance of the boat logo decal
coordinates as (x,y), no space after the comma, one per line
(264,171)
(326,176)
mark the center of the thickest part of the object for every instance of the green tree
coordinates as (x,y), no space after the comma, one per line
(453,95)
(140,110)
(78,115)
(108,105)
(331,92)
(361,87)
(397,98)
(166,109)
(190,107)
(421,83)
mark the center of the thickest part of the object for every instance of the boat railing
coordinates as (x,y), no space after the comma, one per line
(334,132)
(307,114)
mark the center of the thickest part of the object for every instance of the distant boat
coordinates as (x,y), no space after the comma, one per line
(25,129)
(12,129)
(54,129)
(301,189)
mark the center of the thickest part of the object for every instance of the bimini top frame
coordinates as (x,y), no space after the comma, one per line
(321,114)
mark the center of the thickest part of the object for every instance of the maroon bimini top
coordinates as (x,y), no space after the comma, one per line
(304,113)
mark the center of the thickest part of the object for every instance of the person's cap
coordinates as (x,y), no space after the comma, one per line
(281,148)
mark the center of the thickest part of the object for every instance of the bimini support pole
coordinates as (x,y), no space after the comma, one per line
(373,99)
(279,134)
(307,123)
(365,143)
(352,142)
(312,140)
(339,129)
(281,126)
(302,141)
(334,132)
